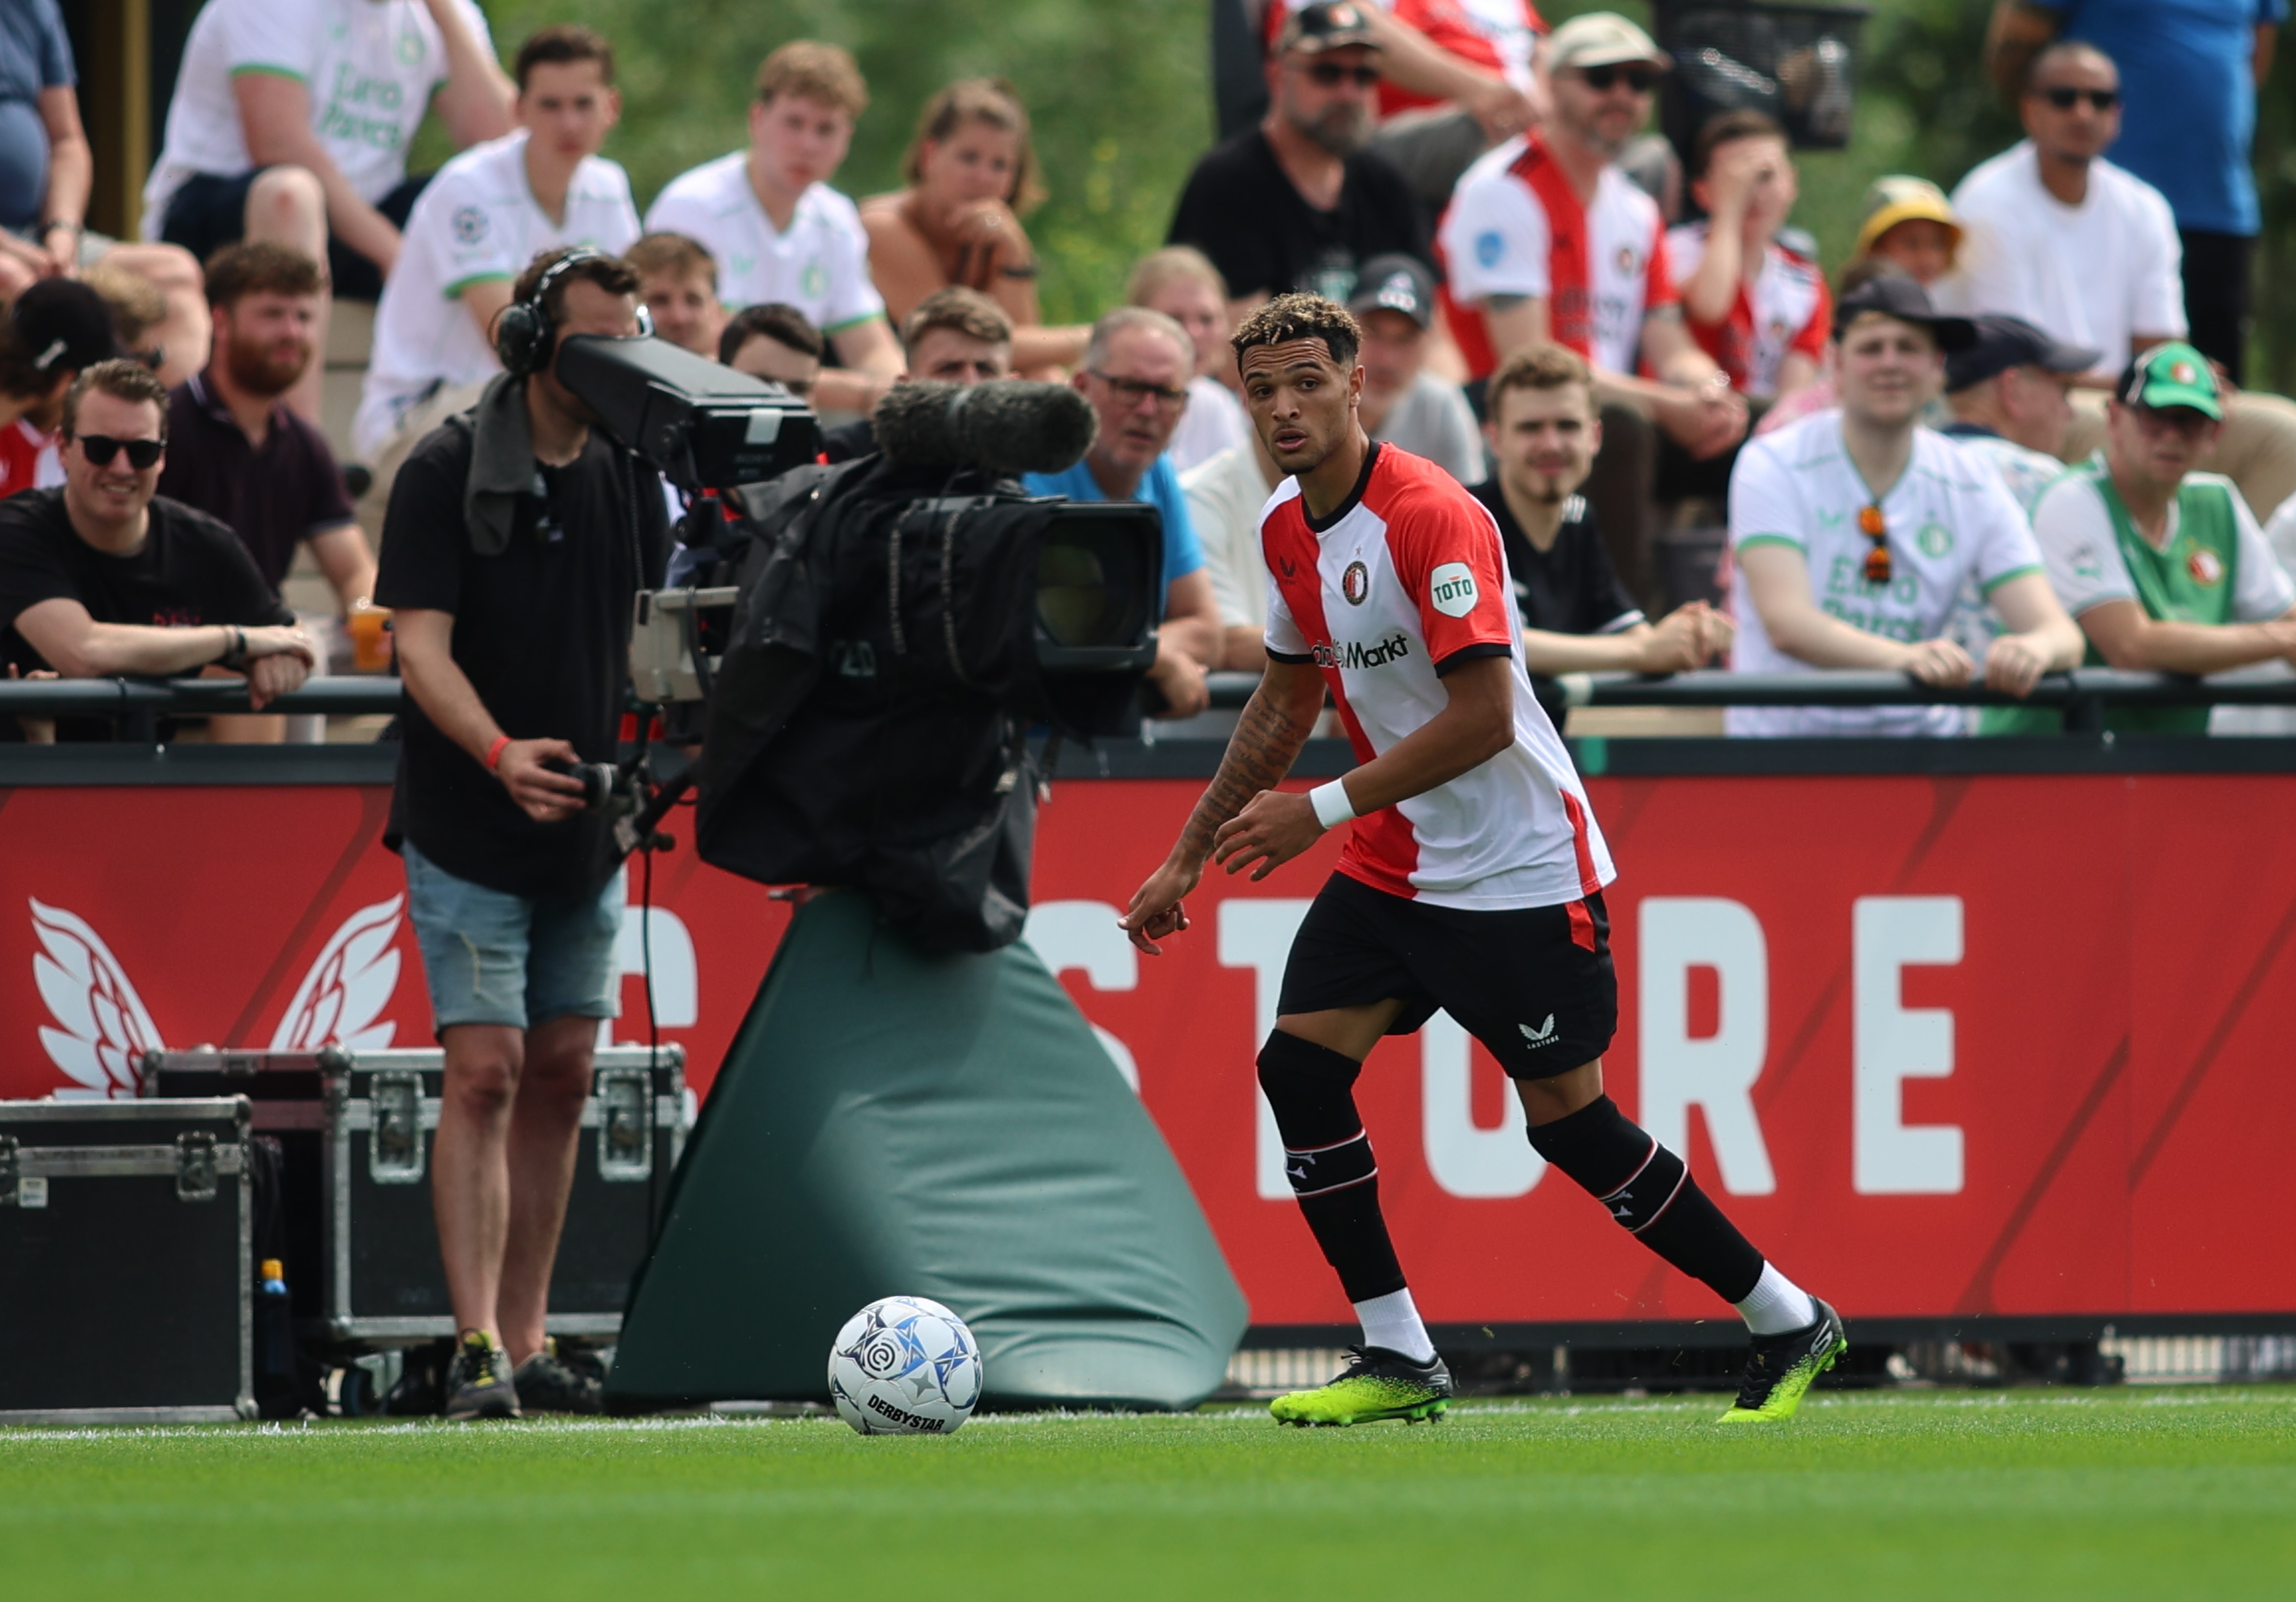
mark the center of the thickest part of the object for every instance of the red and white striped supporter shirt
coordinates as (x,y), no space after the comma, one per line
(1515,226)
(1405,579)
(27,460)
(1783,308)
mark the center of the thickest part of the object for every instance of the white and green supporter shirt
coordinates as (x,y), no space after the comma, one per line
(371,69)
(1950,522)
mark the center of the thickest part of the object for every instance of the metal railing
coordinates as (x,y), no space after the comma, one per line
(2083,695)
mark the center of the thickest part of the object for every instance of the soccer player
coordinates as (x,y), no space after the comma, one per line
(1471,880)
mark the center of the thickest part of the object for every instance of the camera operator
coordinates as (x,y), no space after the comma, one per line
(516,536)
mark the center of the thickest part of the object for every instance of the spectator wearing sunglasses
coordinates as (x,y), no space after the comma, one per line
(102,576)
(2054,233)
(1298,203)
(2191,75)
(1547,240)
(1135,374)
(1855,531)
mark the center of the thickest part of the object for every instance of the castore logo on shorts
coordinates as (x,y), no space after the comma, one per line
(1356,656)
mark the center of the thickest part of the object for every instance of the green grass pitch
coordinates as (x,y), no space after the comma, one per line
(1951,1496)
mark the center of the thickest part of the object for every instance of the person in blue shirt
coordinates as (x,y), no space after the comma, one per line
(2189,72)
(1135,374)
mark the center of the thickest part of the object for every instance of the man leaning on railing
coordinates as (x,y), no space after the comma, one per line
(1854,530)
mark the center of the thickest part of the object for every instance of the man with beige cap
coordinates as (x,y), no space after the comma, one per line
(1546,240)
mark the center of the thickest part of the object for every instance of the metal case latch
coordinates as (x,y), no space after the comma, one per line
(195,1166)
(624,1125)
(395,1145)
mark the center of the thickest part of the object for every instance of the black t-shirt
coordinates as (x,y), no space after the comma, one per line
(1569,588)
(543,632)
(191,570)
(1242,211)
(274,495)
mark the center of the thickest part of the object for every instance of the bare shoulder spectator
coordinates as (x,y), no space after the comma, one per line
(475,229)
(1300,202)
(1760,310)
(239,452)
(2191,74)
(677,281)
(102,575)
(1854,530)
(779,232)
(291,121)
(1403,402)
(56,330)
(1576,616)
(1180,282)
(1135,375)
(971,176)
(2160,562)
(1225,497)
(47,171)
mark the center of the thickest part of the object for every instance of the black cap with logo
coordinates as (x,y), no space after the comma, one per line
(2004,342)
(1396,283)
(62,325)
(1312,30)
(1896,295)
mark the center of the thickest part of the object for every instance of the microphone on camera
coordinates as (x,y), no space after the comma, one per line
(1009,427)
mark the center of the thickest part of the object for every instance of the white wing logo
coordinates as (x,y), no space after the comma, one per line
(105,1030)
(347,987)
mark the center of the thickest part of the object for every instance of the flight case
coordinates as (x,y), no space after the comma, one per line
(355,1130)
(126,1292)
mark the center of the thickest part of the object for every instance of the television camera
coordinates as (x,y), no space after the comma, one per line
(864,649)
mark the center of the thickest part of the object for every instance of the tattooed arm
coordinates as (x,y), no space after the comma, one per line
(1268,739)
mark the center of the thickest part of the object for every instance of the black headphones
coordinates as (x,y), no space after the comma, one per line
(525,337)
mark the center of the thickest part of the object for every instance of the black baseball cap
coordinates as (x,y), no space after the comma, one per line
(62,325)
(1396,283)
(1312,30)
(2004,342)
(1897,295)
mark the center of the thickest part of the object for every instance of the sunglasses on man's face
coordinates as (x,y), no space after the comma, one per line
(1600,79)
(101,449)
(2065,99)
(1331,75)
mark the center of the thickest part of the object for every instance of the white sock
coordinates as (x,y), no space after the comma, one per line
(1776,1304)
(1393,1322)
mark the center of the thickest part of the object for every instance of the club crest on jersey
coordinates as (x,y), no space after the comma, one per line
(1451,587)
(2205,565)
(1629,259)
(1355,656)
(1355,584)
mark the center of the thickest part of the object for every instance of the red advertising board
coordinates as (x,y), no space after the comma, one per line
(1990,1045)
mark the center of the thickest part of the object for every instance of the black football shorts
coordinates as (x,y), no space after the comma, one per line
(1534,984)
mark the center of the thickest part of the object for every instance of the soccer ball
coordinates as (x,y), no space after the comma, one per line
(904,1366)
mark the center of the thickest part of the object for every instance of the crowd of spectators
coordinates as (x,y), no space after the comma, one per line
(2010,436)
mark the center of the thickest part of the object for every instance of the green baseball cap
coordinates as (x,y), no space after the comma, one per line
(2171,375)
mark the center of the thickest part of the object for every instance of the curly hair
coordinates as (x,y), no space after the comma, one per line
(1301,317)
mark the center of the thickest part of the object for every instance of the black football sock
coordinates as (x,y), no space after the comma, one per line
(1328,1159)
(1648,1189)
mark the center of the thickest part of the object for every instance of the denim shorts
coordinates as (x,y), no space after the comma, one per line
(494,958)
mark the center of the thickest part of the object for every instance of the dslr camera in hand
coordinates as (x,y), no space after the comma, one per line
(875,639)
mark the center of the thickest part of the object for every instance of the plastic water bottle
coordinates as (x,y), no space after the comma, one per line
(275,1343)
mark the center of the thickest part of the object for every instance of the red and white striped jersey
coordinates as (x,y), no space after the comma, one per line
(1783,308)
(1515,226)
(1407,579)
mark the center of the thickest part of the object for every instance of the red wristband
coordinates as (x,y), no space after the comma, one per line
(495,751)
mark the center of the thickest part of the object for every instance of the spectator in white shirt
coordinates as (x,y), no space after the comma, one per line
(1225,497)
(291,119)
(1403,402)
(678,281)
(1854,530)
(1180,282)
(2057,234)
(475,229)
(779,232)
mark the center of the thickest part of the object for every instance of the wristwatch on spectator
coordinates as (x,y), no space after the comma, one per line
(235,652)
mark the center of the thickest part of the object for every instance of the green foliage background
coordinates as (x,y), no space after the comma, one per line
(1120,95)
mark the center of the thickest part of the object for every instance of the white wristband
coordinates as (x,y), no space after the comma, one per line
(1333,807)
